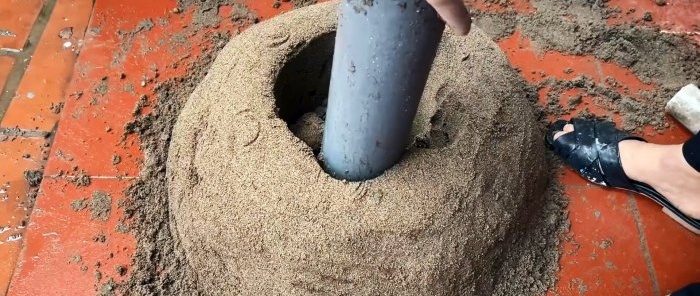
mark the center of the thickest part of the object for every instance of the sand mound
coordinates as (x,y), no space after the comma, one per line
(257,215)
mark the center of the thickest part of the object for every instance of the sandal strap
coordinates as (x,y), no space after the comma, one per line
(609,155)
(593,150)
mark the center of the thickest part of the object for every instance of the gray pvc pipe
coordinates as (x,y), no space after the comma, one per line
(384,50)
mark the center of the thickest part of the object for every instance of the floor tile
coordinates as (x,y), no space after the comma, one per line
(603,253)
(538,66)
(71,238)
(674,15)
(127,69)
(678,17)
(86,126)
(37,102)
(110,82)
(640,261)
(674,250)
(16,20)
(676,133)
(17,155)
(91,133)
(265,9)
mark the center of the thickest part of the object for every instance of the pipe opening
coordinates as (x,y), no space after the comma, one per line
(301,97)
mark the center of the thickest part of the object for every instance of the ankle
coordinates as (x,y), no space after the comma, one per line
(665,169)
(672,160)
(641,160)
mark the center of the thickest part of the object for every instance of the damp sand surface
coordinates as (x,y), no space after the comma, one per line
(380,232)
(657,58)
(665,61)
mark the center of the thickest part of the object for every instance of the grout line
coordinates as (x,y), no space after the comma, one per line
(23,58)
(643,243)
(63,176)
(681,33)
(599,69)
(113,177)
(9,52)
(18,132)
(21,63)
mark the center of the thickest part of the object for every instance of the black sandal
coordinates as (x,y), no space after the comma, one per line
(592,150)
(690,290)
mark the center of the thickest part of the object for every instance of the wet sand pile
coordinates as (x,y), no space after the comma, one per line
(461,214)
(528,252)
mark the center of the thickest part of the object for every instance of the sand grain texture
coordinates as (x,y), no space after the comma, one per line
(256,215)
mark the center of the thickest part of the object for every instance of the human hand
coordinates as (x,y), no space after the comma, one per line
(454,13)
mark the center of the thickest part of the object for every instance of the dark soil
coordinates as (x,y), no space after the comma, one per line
(56,108)
(100,206)
(100,238)
(102,87)
(33,177)
(206,12)
(149,199)
(81,180)
(79,204)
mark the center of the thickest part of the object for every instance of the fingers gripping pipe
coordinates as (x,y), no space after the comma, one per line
(383,54)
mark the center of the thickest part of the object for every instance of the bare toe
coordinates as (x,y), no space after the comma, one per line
(567,129)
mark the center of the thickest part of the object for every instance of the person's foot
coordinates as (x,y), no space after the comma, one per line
(662,167)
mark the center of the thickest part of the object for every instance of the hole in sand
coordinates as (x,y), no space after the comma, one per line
(301,97)
(301,90)
(442,130)
(270,206)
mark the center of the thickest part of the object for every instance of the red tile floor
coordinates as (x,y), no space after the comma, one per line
(72,71)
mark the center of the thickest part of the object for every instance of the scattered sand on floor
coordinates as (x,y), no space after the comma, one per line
(100,206)
(579,27)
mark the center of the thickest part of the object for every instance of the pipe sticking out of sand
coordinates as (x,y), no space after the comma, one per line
(383,54)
